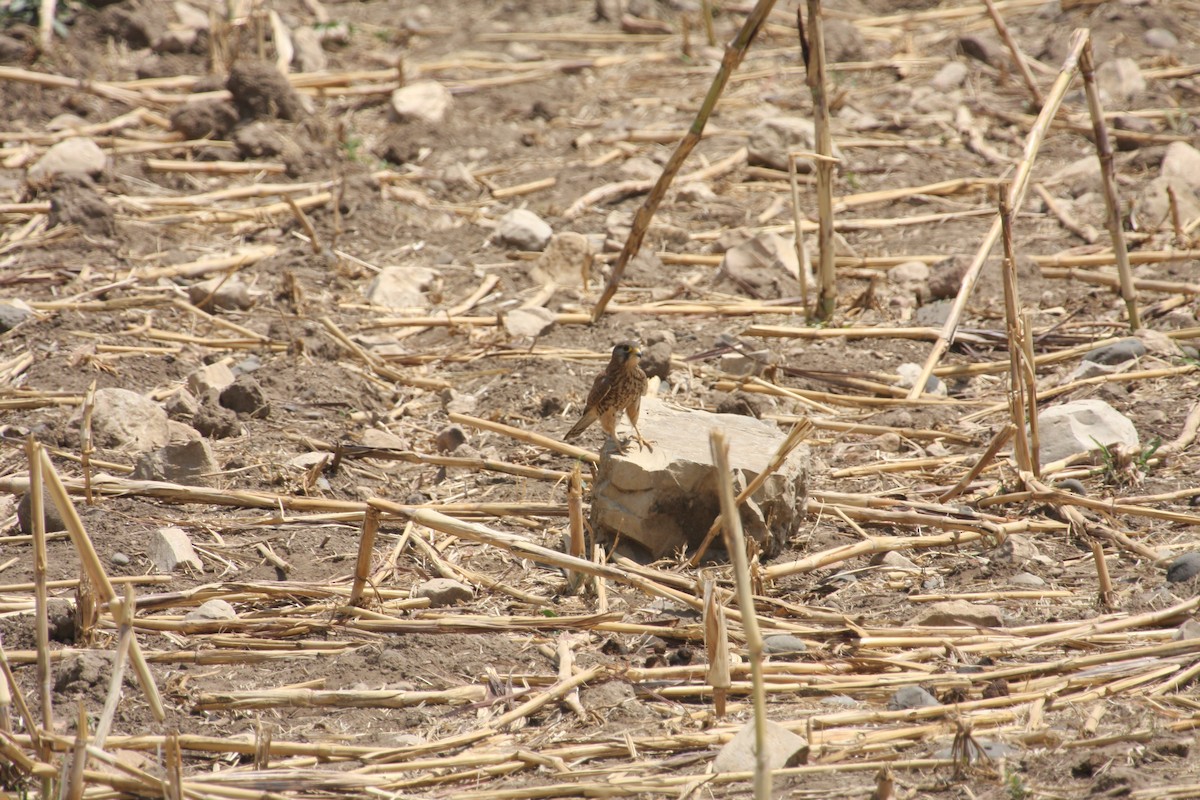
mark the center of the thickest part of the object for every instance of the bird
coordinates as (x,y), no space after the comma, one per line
(619,388)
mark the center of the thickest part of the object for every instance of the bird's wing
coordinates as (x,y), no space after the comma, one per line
(600,388)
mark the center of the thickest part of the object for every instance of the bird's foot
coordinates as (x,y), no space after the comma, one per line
(645,443)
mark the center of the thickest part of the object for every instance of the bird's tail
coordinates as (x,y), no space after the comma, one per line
(581,426)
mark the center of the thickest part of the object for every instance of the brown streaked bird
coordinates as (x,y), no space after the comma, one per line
(619,388)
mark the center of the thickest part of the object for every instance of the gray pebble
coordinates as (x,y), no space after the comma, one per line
(1118,352)
(911,697)
(119,559)
(1184,568)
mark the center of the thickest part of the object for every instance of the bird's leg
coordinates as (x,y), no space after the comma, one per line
(641,442)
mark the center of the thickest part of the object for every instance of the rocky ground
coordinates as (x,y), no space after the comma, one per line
(267,266)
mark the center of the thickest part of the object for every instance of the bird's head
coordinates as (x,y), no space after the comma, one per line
(626,354)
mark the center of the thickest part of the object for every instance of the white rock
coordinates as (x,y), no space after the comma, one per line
(1153,205)
(1160,39)
(128,421)
(909,272)
(424,100)
(443,592)
(951,613)
(566,261)
(190,16)
(402,288)
(695,192)
(1083,426)
(77,155)
(520,51)
(950,76)
(524,230)
(210,611)
(170,547)
(213,377)
(910,373)
(1182,161)
(1121,78)
(533,322)
(664,499)
(784,749)
(1080,176)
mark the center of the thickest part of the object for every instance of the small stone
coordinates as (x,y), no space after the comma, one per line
(1153,206)
(532,322)
(983,749)
(1160,39)
(403,288)
(839,700)
(182,405)
(524,53)
(309,55)
(171,548)
(220,293)
(893,560)
(1027,579)
(783,644)
(427,101)
(784,749)
(13,313)
(524,230)
(775,137)
(1184,568)
(909,272)
(982,48)
(77,155)
(911,697)
(119,559)
(946,277)
(1083,426)
(215,422)
(1015,550)
(246,396)
(1118,352)
(126,420)
(695,192)
(215,377)
(53,519)
(443,592)
(763,267)
(950,76)
(910,373)
(450,439)
(843,40)
(952,613)
(211,610)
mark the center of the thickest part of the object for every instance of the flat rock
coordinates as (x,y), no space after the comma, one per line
(189,462)
(911,697)
(215,377)
(77,155)
(784,749)
(566,261)
(170,548)
(443,592)
(1160,39)
(951,613)
(910,373)
(126,420)
(1119,351)
(1083,426)
(783,644)
(665,499)
(1079,177)
(1015,551)
(1121,78)
(402,288)
(524,230)
(1190,629)
(1153,205)
(427,101)
(950,76)
(533,322)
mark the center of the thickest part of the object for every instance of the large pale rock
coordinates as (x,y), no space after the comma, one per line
(170,548)
(126,420)
(784,749)
(213,377)
(1083,426)
(427,101)
(664,499)
(959,612)
(76,155)
(190,462)
(533,322)
(1182,161)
